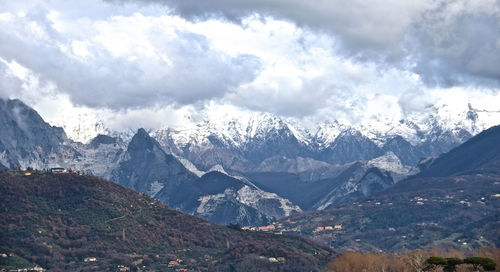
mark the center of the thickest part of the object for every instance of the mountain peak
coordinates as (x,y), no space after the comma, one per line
(142,141)
(142,132)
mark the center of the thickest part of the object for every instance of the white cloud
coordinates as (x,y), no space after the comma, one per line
(135,65)
(448,42)
(124,61)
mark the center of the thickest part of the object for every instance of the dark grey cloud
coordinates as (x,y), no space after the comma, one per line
(464,51)
(358,24)
(448,43)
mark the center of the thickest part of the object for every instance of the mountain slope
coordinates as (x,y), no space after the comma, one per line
(343,183)
(350,145)
(406,152)
(25,139)
(146,164)
(453,203)
(58,220)
(215,196)
(224,199)
(480,152)
(457,212)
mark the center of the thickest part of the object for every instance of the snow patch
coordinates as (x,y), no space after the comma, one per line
(190,166)
(154,188)
(218,168)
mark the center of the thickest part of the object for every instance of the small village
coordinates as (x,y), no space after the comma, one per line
(29,171)
(288,228)
(35,268)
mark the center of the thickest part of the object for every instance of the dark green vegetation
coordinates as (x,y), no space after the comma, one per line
(450,264)
(485,263)
(58,220)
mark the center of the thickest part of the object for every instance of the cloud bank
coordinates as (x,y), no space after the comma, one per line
(448,42)
(315,60)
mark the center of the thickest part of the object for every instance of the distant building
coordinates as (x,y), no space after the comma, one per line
(123,268)
(319,229)
(58,170)
(267,228)
(32,269)
(338,227)
(173,263)
(328,228)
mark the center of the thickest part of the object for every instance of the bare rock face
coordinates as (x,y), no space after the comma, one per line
(145,162)
(25,139)
(215,195)
(406,152)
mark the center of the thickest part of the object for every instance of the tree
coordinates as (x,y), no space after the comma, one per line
(435,261)
(415,260)
(451,263)
(487,263)
(234,226)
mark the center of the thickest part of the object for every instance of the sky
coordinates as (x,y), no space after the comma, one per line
(157,63)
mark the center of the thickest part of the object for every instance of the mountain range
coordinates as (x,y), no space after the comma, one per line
(250,169)
(453,202)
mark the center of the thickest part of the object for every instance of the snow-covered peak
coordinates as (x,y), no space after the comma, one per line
(327,132)
(420,126)
(237,128)
(232,130)
(233,127)
(83,128)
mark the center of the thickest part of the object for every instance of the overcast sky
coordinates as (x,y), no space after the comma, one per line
(158,62)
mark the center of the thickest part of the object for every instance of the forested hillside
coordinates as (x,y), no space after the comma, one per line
(61,222)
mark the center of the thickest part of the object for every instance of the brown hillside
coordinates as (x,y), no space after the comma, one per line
(58,220)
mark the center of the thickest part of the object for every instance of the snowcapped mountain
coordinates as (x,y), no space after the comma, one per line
(244,141)
(245,167)
(228,130)
(236,142)
(241,140)
(83,127)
